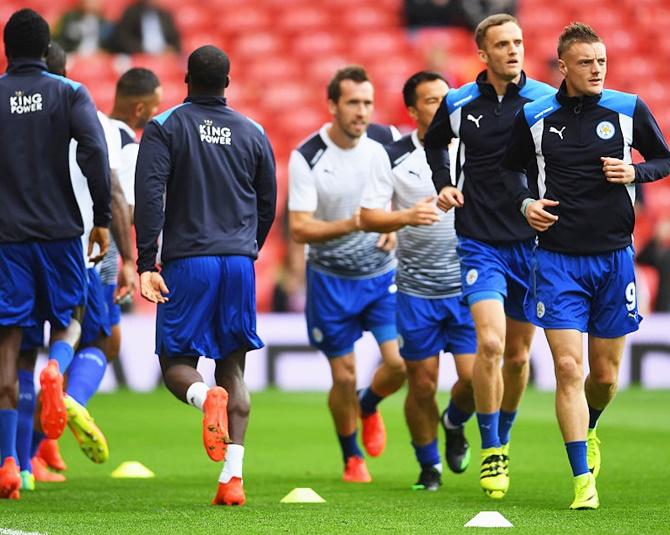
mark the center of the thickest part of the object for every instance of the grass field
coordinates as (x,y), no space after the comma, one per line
(291,444)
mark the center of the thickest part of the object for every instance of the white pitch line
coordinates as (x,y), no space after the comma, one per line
(5,531)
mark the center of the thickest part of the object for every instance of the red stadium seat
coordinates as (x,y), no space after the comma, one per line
(313,45)
(256,45)
(303,20)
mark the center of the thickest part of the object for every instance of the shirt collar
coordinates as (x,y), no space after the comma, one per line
(486,88)
(576,102)
(206,100)
(26,64)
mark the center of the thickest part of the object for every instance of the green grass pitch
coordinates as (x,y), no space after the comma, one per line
(291,443)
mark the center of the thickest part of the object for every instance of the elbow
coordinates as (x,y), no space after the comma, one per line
(298,235)
(367,222)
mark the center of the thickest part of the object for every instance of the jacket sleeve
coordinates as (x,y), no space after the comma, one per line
(519,151)
(648,139)
(436,143)
(151,176)
(92,156)
(265,184)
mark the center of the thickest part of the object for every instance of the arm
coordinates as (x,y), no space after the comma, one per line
(265,184)
(122,236)
(648,139)
(305,228)
(151,175)
(436,143)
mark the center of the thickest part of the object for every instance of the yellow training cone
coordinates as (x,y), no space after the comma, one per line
(132,469)
(302,495)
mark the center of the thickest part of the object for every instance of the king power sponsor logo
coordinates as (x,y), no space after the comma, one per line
(21,103)
(215,135)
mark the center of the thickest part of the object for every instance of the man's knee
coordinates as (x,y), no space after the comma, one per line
(422,382)
(344,375)
(490,348)
(516,363)
(568,371)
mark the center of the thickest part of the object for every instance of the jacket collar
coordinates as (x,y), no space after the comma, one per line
(487,89)
(206,100)
(26,64)
(575,102)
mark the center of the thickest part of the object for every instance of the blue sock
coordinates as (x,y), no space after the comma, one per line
(85,374)
(26,411)
(456,416)
(38,437)
(488,429)
(368,400)
(594,414)
(505,425)
(428,454)
(8,423)
(577,456)
(62,352)
(349,446)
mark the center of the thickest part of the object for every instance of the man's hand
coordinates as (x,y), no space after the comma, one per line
(100,236)
(538,217)
(387,242)
(618,171)
(125,287)
(153,288)
(422,213)
(449,197)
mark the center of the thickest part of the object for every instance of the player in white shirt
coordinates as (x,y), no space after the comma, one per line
(430,312)
(350,274)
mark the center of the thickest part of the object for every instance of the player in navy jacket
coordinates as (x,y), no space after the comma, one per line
(205,178)
(494,243)
(42,269)
(581,139)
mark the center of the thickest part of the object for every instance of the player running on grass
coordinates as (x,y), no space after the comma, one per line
(206,180)
(430,313)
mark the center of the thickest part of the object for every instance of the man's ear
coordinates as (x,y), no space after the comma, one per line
(227,81)
(186,80)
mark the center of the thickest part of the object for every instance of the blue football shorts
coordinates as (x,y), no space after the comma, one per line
(211,310)
(428,326)
(594,294)
(501,271)
(40,281)
(112,306)
(340,309)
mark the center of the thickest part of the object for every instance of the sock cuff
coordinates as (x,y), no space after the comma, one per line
(92,353)
(196,394)
(26,376)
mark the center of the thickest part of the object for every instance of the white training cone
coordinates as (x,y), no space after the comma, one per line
(302,495)
(132,470)
(489,519)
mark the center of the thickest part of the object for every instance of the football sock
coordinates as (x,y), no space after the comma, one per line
(368,401)
(594,414)
(455,417)
(577,456)
(488,429)
(428,455)
(196,394)
(505,425)
(85,374)
(26,412)
(232,465)
(8,423)
(349,446)
(63,353)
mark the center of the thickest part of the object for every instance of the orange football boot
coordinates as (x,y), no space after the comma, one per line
(231,493)
(10,479)
(49,452)
(356,471)
(43,474)
(215,423)
(54,415)
(374,434)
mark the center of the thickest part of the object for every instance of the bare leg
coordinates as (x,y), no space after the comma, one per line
(604,360)
(342,399)
(462,392)
(179,373)
(229,374)
(10,344)
(515,363)
(390,376)
(421,411)
(489,316)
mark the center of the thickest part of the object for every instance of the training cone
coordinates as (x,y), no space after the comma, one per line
(489,519)
(132,469)
(302,495)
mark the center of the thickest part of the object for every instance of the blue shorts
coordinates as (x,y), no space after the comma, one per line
(212,307)
(339,309)
(94,324)
(428,326)
(41,281)
(496,272)
(113,307)
(593,294)
(96,316)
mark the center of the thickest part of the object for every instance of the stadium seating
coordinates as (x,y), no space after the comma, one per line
(283,53)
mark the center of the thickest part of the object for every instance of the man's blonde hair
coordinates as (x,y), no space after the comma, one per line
(576,32)
(492,20)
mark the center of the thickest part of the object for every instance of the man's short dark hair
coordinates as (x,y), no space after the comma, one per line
(26,35)
(56,59)
(355,73)
(208,69)
(137,82)
(576,32)
(489,22)
(409,89)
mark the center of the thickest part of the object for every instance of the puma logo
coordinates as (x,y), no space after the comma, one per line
(472,118)
(559,133)
(417,175)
